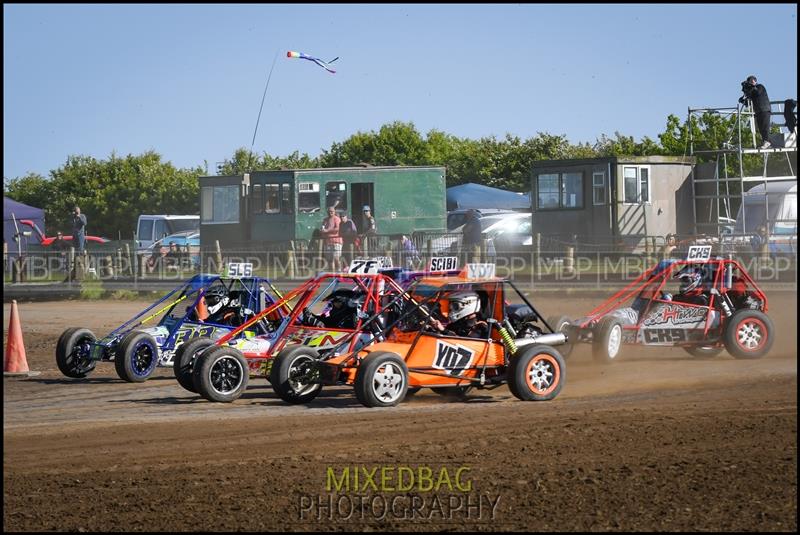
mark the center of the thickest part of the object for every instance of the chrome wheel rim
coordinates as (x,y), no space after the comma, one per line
(388,382)
(226,375)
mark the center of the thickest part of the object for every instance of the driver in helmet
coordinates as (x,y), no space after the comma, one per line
(343,311)
(691,288)
(221,308)
(463,313)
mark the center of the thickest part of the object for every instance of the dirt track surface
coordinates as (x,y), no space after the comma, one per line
(657,441)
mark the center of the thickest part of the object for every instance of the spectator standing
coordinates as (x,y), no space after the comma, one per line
(349,233)
(409,253)
(78,229)
(331,239)
(369,229)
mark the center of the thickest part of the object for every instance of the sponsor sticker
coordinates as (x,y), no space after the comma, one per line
(675,314)
(453,359)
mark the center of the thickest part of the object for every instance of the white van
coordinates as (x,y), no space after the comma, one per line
(152,228)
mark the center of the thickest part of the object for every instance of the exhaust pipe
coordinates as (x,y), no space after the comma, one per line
(554,339)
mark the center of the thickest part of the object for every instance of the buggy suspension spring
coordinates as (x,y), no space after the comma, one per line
(508,341)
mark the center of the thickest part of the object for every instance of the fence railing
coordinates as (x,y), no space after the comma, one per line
(297,260)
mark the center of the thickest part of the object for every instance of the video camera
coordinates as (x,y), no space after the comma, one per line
(746,90)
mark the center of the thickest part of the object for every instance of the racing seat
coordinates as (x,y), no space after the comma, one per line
(520,314)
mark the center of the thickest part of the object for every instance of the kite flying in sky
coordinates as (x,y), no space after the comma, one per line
(323,64)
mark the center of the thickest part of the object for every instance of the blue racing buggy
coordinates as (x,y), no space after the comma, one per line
(207,306)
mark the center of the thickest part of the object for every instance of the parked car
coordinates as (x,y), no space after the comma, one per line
(503,232)
(151,228)
(457,218)
(187,245)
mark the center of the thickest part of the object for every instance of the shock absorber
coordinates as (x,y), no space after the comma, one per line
(508,341)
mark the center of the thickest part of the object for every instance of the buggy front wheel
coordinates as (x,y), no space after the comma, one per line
(382,380)
(536,373)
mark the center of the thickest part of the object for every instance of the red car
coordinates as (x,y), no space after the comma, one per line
(48,241)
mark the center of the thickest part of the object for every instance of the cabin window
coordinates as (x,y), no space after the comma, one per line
(272,199)
(220,204)
(336,196)
(560,190)
(308,196)
(598,188)
(636,185)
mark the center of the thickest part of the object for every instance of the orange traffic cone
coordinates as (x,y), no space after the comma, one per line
(202,309)
(16,362)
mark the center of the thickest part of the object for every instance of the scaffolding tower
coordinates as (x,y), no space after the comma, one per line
(718,195)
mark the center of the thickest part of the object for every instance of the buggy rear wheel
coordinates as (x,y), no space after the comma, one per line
(185,358)
(607,340)
(560,324)
(73,353)
(137,357)
(294,375)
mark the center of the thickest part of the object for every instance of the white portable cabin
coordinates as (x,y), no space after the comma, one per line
(773,204)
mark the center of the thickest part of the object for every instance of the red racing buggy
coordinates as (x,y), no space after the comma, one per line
(701,304)
(327,313)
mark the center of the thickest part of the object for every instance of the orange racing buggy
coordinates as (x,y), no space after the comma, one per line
(496,343)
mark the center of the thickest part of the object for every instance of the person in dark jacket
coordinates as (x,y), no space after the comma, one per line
(757,95)
(349,233)
(79,229)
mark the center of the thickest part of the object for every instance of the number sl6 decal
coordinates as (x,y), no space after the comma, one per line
(240,270)
(452,359)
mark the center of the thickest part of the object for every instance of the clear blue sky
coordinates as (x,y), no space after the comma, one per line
(186,81)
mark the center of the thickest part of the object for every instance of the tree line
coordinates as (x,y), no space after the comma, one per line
(114,191)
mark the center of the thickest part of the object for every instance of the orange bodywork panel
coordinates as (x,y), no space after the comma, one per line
(447,359)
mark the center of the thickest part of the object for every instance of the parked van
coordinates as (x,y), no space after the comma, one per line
(151,228)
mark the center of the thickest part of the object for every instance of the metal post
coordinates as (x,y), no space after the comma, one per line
(428,251)
(290,261)
(569,261)
(218,254)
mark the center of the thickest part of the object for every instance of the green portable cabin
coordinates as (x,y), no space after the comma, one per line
(279,206)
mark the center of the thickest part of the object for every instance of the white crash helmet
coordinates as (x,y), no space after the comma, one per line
(462,304)
(216,298)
